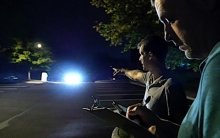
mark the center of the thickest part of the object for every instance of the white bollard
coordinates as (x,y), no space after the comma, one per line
(44,76)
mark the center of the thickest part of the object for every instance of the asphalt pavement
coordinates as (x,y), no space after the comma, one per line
(54,110)
(37,109)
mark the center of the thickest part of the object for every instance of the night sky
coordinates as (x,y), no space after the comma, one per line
(66,26)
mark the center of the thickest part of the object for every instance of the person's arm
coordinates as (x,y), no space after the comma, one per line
(209,95)
(176,102)
(161,128)
(167,129)
(136,75)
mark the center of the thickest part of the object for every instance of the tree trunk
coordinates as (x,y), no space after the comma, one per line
(29,73)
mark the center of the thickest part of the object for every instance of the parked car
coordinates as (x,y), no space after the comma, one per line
(9,79)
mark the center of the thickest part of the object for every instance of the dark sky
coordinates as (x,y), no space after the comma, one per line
(64,25)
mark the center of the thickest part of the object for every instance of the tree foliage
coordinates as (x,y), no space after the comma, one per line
(176,59)
(131,20)
(29,54)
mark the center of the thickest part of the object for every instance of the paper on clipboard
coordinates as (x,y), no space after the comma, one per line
(121,121)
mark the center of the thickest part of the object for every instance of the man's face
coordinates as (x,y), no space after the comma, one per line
(144,58)
(181,26)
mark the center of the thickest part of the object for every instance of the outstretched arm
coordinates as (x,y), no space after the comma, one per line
(136,75)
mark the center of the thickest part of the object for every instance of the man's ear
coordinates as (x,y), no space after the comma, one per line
(150,55)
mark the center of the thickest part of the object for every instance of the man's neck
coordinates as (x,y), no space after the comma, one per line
(158,71)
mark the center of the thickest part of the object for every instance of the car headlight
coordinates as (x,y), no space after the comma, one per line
(72,78)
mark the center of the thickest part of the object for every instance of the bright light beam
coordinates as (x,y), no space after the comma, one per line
(72,78)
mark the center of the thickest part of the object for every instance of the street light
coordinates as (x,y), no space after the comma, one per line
(39,45)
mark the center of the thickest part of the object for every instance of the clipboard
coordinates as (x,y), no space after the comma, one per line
(118,120)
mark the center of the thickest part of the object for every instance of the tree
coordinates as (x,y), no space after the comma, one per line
(31,56)
(131,20)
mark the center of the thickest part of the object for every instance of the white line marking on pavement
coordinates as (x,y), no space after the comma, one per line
(10,89)
(5,123)
(14,86)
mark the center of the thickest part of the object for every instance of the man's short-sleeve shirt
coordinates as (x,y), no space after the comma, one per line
(165,97)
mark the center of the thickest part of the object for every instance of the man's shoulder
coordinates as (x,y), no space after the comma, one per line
(213,60)
(214,52)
